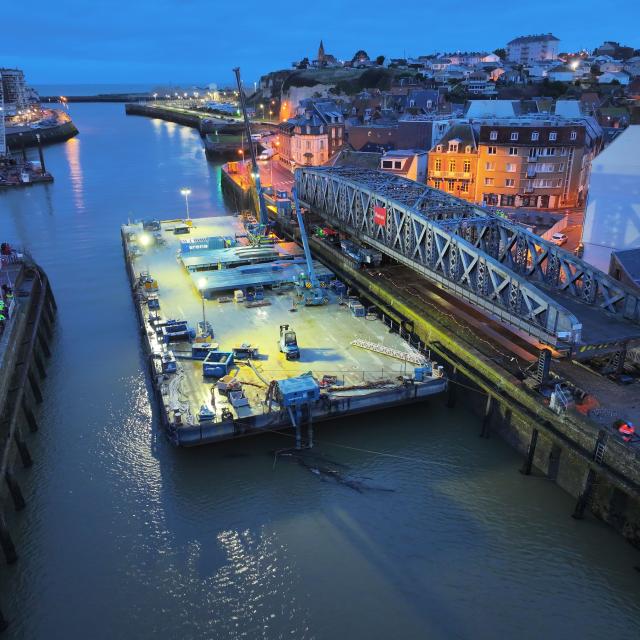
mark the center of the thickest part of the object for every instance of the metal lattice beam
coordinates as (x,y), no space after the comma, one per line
(484,259)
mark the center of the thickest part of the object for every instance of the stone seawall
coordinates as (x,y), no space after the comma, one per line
(50,135)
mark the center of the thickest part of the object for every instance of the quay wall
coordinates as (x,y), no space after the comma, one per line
(560,448)
(24,349)
(50,135)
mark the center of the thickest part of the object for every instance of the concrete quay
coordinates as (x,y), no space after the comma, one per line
(21,137)
(24,350)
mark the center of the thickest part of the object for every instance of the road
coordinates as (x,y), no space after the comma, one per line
(272,173)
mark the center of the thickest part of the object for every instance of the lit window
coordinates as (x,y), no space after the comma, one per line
(452,165)
(438,165)
(450,185)
(466,167)
(574,135)
(488,182)
(535,135)
(493,135)
(514,135)
(464,187)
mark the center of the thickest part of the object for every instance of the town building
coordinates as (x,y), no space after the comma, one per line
(535,48)
(453,162)
(313,136)
(14,90)
(612,217)
(502,153)
(408,163)
(406,132)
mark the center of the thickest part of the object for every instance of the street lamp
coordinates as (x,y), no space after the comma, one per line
(202,283)
(186,193)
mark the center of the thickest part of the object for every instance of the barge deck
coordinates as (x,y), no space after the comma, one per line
(259,389)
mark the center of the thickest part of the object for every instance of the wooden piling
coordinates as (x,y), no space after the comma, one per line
(15,491)
(23,450)
(486,419)
(6,542)
(528,463)
(585,497)
(28,414)
(35,387)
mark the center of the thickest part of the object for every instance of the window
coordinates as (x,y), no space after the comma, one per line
(467,149)
(533,152)
(488,182)
(466,167)
(397,164)
(574,135)
(513,151)
(308,145)
(464,187)
(535,135)
(387,164)
(491,151)
(509,182)
(544,168)
(490,166)
(453,147)
(439,148)
(450,185)
(493,135)
(452,165)
(560,167)
(436,183)
(514,135)
(553,136)
(437,164)
(511,167)
(548,151)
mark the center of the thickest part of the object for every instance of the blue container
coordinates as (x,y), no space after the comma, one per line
(420,373)
(217,364)
(358,310)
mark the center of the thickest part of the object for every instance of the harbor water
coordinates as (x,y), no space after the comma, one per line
(403,524)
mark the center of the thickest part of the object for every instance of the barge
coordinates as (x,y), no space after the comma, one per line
(219,308)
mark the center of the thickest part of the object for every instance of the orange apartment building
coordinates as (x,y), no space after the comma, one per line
(534,162)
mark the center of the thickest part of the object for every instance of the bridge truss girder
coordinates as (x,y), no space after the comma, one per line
(482,258)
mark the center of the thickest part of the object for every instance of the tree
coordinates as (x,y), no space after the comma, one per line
(303,64)
(501,53)
(380,60)
(360,56)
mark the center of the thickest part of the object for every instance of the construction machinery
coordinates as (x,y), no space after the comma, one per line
(289,343)
(255,171)
(309,289)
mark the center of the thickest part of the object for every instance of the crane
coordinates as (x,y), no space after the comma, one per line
(264,218)
(310,290)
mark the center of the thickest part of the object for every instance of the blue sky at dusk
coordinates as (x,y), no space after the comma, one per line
(180,41)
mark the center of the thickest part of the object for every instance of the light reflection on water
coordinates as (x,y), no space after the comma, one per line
(126,537)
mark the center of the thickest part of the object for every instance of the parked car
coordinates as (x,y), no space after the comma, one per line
(559,239)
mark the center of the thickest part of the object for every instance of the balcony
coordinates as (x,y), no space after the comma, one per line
(451,175)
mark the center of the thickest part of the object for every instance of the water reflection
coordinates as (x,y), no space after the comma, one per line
(72,152)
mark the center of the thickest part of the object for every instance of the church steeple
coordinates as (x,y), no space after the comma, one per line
(321,52)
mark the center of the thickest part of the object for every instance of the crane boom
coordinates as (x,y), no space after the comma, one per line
(264,218)
(311,273)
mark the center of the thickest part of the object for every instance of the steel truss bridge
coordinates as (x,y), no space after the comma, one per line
(500,267)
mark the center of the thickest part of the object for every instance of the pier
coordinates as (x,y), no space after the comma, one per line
(218,324)
(29,312)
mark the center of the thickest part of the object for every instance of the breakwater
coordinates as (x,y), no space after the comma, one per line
(16,140)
